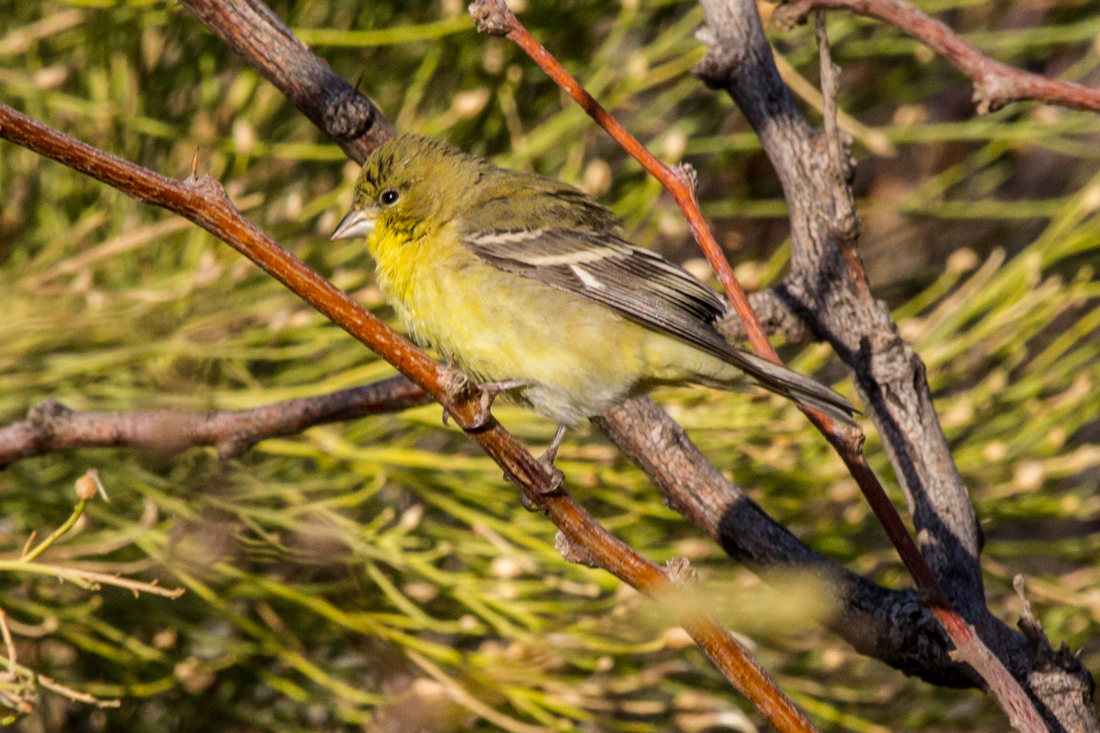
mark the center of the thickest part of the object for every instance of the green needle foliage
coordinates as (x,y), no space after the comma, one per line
(380,573)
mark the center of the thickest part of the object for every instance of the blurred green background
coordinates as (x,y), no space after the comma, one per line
(380,574)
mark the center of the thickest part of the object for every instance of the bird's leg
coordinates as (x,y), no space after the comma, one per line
(457,381)
(552,452)
(557,478)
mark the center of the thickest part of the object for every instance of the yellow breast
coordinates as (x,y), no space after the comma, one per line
(579,357)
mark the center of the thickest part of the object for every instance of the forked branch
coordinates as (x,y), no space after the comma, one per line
(995,84)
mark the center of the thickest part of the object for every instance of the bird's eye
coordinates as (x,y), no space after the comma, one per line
(389,197)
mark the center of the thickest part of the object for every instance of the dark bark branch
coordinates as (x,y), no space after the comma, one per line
(260,37)
(52,427)
(887,372)
(995,84)
(891,626)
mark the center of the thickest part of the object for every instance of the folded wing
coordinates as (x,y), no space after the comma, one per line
(647,289)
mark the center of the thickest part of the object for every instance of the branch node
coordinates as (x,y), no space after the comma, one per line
(461,390)
(1030,626)
(209,187)
(688,176)
(493,17)
(788,15)
(573,552)
(992,91)
(348,116)
(47,413)
(454,380)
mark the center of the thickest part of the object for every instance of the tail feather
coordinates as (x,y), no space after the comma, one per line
(795,387)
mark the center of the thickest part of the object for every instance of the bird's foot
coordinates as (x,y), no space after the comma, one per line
(557,478)
(489,392)
(455,382)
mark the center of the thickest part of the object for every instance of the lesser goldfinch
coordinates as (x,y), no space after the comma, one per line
(526,282)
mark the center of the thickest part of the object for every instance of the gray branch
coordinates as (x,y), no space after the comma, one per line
(52,427)
(890,625)
(888,373)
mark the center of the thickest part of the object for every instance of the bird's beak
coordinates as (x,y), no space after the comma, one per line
(355,224)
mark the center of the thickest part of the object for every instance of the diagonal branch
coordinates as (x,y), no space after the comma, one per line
(255,33)
(495,18)
(204,202)
(53,427)
(995,84)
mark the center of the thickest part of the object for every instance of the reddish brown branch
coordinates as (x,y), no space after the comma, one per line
(52,427)
(204,202)
(995,84)
(494,17)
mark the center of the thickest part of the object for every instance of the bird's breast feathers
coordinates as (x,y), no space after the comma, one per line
(579,357)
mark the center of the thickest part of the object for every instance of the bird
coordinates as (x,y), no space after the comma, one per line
(529,286)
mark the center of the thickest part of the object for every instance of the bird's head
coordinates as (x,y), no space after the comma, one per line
(408,184)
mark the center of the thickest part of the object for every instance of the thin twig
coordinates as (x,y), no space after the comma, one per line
(52,427)
(995,84)
(846,225)
(88,579)
(75,695)
(204,202)
(495,18)
(9,644)
(830,83)
(56,534)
